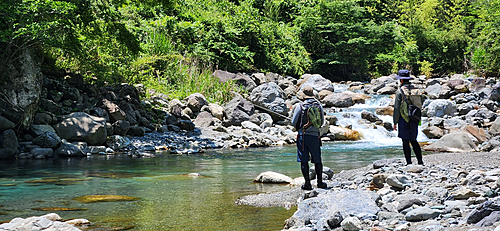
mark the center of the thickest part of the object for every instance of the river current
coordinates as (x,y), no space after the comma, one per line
(171,198)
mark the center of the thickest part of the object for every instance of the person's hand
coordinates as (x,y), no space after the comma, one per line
(395,127)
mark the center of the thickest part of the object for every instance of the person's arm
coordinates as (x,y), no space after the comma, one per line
(396,114)
(296,115)
(322,115)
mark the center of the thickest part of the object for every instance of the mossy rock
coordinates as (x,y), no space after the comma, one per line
(104,198)
(57,181)
(118,175)
(7,185)
(58,209)
(42,181)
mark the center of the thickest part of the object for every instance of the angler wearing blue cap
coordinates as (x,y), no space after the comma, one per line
(406,117)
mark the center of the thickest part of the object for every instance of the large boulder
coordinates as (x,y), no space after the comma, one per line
(478,84)
(47,140)
(495,127)
(259,78)
(422,214)
(317,82)
(271,96)
(272,177)
(120,127)
(433,90)
(6,124)
(175,107)
(240,79)
(204,119)
(338,100)
(238,110)
(482,113)
(465,108)
(357,97)
(495,93)
(80,126)
(114,111)
(458,141)
(117,142)
(478,133)
(216,110)
(128,93)
(8,144)
(344,133)
(21,91)
(433,132)
(69,150)
(196,101)
(328,205)
(41,129)
(259,118)
(482,211)
(440,108)
(44,118)
(50,221)
(245,81)
(388,89)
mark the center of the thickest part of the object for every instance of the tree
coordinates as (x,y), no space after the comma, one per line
(58,24)
(343,38)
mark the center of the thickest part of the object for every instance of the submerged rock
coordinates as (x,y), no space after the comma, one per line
(58,209)
(104,198)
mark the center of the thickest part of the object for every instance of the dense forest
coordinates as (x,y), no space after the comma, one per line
(174,45)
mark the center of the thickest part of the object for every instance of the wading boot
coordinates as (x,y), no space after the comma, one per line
(304,168)
(319,175)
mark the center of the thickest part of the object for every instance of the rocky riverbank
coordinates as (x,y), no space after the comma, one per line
(52,114)
(453,191)
(73,119)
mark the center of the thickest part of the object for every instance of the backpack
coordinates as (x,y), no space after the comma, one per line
(310,114)
(408,110)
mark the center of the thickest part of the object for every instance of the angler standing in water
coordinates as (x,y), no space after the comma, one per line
(406,95)
(307,120)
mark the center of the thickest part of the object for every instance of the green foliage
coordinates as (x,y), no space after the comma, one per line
(426,68)
(343,39)
(174,45)
(439,30)
(485,47)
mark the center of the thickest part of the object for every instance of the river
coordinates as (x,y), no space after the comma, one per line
(170,199)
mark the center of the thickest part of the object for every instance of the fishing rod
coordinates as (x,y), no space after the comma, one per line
(266,109)
(272,112)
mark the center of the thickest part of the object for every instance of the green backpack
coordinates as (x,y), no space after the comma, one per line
(311,114)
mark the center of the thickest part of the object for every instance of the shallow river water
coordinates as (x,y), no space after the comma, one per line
(170,199)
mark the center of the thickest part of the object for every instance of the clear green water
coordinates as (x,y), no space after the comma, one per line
(170,200)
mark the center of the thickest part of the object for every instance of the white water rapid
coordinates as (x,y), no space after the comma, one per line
(374,136)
